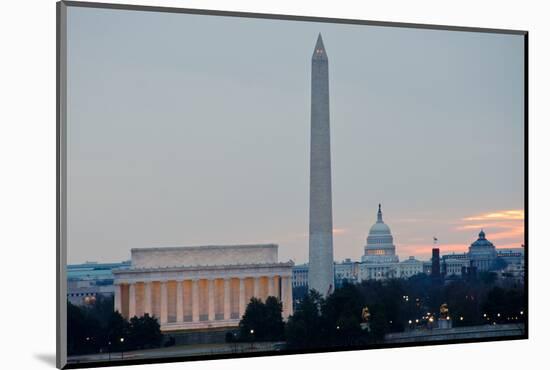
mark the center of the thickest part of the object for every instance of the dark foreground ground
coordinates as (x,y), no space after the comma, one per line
(413,336)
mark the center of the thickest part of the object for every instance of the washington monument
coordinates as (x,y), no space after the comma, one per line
(321,261)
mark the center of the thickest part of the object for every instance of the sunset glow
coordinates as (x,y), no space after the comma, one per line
(505,228)
(516,214)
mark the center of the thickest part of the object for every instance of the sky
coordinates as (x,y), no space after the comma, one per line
(194,130)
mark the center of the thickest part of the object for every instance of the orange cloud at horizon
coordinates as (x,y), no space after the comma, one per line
(504,227)
(509,223)
(513,214)
(339,231)
(426,249)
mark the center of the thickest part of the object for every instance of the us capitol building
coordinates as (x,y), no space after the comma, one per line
(380,261)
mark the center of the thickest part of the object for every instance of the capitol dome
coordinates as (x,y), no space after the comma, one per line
(380,228)
(482,253)
(482,242)
(380,247)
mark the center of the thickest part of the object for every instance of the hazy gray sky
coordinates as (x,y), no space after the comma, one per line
(193,130)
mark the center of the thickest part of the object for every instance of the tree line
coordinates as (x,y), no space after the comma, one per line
(337,320)
(98,328)
(393,306)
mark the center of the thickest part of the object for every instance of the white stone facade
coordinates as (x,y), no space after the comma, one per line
(347,270)
(201,287)
(409,268)
(208,255)
(454,266)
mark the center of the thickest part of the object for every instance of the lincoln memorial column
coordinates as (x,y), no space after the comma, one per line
(163,303)
(289,295)
(148,298)
(226,299)
(271,286)
(118,298)
(132,300)
(286,299)
(211,300)
(242,302)
(257,287)
(195,299)
(179,301)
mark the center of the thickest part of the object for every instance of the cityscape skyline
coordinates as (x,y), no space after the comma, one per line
(145,177)
(510,222)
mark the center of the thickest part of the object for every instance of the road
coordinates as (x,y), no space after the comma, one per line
(176,351)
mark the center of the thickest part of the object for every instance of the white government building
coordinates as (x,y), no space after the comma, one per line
(201,287)
(380,262)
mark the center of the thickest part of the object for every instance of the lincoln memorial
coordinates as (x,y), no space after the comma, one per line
(201,287)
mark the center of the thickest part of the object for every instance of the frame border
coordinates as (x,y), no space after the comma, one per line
(61,185)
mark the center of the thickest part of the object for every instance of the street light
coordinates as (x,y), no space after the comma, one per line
(122,348)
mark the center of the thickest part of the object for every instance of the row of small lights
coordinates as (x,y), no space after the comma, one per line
(431,318)
(121,340)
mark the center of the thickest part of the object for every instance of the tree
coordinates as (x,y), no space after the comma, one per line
(144,332)
(499,264)
(379,324)
(341,316)
(96,327)
(262,321)
(304,329)
(116,329)
(251,326)
(274,325)
(84,334)
(488,277)
(502,304)
(75,328)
